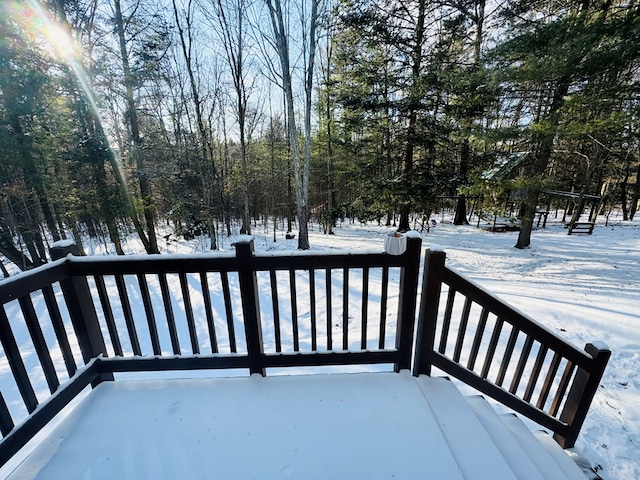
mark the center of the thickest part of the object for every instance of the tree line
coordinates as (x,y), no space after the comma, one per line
(121,116)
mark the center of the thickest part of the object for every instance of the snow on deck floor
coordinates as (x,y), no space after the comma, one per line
(373,426)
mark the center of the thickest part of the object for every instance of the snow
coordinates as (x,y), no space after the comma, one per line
(600,345)
(412,234)
(244,238)
(586,288)
(371,426)
(63,243)
(434,247)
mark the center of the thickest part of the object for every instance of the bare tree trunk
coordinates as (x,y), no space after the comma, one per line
(301,174)
(17,257)
(477,18)
(460,217)
(326,66)
(303,213)
(151,245)
(233,41)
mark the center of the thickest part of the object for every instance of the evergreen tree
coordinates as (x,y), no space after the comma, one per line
(556,51)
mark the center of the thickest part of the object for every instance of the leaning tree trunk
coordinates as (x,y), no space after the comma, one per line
(17,257)
(539,165)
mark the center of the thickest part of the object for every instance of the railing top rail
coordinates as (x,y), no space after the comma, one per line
(517,318)
(26,282)
(228,262)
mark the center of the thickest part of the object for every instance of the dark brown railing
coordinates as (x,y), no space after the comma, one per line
(482,341)
(256,311)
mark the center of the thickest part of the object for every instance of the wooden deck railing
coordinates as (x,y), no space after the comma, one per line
(504,354)
(71,324)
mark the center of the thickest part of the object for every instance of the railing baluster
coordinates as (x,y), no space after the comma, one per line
(294,310)
(108,315)
(562,388)
(462,330)
(39,343)
(12,352)
(148,310)
(506,358)
(168,312)
(493,344)
(206,297)
(329,309)
(224,278)
(383,307)
(477,339)
(535,373)
(188,311)
(365,306)
(275,305)
(128,315)
(58,327)
(6,422)
(446,321)
(345,309)
(82,311)
(548,381)
(522,361)
(312,306)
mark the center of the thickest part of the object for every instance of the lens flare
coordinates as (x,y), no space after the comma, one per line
(39,28)
(63,45)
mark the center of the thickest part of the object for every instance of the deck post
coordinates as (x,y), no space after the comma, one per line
(250,305)
(428,314)
(583,389)
(82,311)
(407,302)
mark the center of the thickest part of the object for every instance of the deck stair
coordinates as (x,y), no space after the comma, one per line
(368,425)
(502,445)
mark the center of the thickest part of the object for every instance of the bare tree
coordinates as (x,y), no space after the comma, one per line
(281,41)
(229,17)
(211,186)
(149,240)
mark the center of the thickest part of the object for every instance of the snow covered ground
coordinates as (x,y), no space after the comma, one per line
(585,287)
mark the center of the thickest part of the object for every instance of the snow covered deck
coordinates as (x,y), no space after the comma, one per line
(366,425)
(86,321)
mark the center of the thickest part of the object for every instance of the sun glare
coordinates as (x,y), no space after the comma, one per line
(39,27)
(62,44)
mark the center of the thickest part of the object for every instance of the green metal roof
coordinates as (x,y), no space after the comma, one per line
(503,166)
